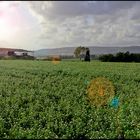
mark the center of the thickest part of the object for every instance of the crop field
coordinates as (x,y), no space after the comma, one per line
(40,99)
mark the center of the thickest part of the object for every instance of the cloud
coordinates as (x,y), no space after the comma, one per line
(89,23)
(73,23)
(78,8)
(1,13)
(8,4)
(68,23)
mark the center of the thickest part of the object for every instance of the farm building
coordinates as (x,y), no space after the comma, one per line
(14,52)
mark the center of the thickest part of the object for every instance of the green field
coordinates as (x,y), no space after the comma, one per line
(39,99)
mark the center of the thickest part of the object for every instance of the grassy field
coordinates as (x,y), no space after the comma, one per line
(39,99)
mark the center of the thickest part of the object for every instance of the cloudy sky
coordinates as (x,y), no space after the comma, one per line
(52,24)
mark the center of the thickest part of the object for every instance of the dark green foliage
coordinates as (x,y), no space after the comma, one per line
(120,57)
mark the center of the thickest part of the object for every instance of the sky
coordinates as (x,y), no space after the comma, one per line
(37,25)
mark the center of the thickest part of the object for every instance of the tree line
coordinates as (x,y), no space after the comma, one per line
(120,57)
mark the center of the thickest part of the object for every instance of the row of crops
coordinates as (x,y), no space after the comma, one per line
(40,99)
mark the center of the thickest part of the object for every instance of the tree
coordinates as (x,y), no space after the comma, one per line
(83,49)
(87,57)
(83,53)
(80,51)
(77,51)
(120,57)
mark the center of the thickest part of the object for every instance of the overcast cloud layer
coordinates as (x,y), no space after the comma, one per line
(74,23)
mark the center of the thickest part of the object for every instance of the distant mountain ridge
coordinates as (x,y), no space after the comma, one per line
(95,50)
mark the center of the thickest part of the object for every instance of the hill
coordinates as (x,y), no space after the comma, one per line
(95,50)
